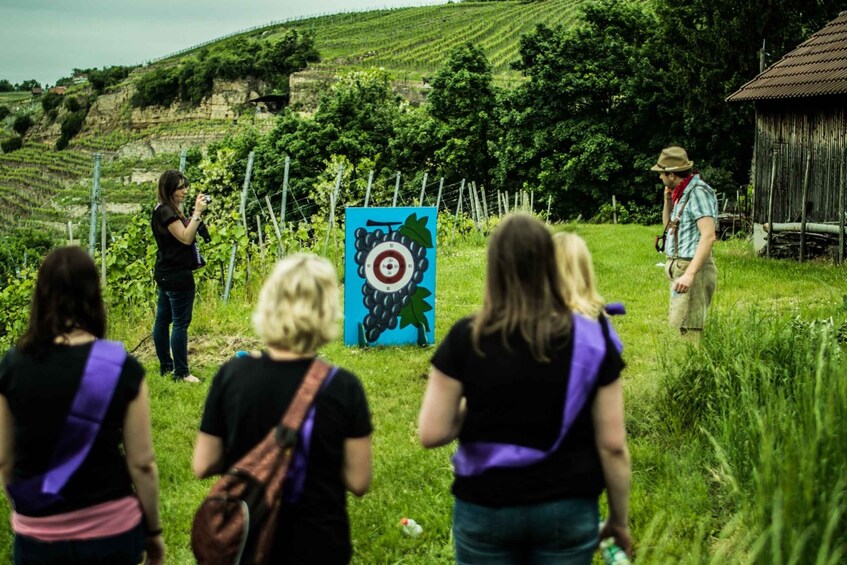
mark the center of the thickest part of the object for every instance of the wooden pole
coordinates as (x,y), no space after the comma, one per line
(499,205)
(396,191)
(438,200)
(284,192)
(614,210)
(95,197)
(230,272)
(276,227)
(331,221)
(484,203)
(803,207)
(423,190)
(182,156)
(770,201)
(102,245)
(70,233)
(841,199)
(549,203)
(368,191)
(243,206)
(458,210)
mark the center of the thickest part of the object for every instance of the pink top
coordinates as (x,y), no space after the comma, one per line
(98,521)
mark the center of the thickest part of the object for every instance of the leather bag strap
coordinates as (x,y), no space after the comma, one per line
(296,412)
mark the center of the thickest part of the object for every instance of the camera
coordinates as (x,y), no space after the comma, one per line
(207,198)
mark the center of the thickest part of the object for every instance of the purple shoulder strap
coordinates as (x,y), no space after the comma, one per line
(589,350)
(97,386)
(295,477)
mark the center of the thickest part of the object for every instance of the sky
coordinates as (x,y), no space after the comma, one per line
(46,39)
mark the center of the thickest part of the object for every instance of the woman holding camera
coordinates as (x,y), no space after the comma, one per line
(176,259)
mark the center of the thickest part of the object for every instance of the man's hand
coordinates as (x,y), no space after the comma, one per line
(683,283)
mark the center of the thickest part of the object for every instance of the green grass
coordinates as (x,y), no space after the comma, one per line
(710,483)
(12,97)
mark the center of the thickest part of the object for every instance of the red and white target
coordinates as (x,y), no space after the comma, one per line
(389,266)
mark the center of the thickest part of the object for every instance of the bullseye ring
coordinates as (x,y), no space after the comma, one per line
(389,266)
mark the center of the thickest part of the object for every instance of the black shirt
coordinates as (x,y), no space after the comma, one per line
(40,393)
(248,397)
(174,259)
(514,399)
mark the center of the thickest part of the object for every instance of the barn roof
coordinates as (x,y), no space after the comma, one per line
(817,67)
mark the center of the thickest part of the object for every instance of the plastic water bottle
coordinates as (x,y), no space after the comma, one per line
(241,353)
(410,527)
(613,554)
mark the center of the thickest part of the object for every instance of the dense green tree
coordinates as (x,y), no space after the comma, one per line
(711,48)
(462,101)
(6,86)
(579,127)
(4,111)
(27,85)
(22,124)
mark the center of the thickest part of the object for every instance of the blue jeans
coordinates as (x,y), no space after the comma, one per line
(122,549)
(561,531)
(173,307)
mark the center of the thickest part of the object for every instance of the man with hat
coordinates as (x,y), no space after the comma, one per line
(689,213)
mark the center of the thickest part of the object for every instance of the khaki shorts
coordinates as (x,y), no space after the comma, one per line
(688,310)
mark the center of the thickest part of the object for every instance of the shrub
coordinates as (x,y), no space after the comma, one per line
(22,124)
(72,104)
(50,101)
(12,144)
(71,124)
(4,112)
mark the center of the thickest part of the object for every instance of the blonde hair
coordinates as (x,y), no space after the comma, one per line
(576,271)
(298,305)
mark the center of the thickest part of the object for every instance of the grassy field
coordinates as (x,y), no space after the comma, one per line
(12,97)
(702,490)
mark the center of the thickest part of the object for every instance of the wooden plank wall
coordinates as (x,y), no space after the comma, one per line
(788,132)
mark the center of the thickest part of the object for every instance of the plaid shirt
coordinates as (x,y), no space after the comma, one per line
(702,202)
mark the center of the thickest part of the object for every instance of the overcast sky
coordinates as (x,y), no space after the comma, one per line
(46,39)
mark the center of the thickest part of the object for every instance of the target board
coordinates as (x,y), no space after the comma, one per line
(389,276)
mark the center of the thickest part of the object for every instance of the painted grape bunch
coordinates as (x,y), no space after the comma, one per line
(392,266)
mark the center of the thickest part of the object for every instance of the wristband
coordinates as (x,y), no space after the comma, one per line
(154,533)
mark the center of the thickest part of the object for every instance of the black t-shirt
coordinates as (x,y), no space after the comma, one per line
(174,259)
(514,399)
(248,397)
(40,393)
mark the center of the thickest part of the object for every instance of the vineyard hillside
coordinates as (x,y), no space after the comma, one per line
(43,188)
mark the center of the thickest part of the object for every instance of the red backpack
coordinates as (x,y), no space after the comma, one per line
(236,523)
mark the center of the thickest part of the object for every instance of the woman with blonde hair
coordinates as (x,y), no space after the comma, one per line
(296,314)
(532,392)
(576,269)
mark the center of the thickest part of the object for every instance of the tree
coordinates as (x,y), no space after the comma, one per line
(580,127)
(462,102)
(6,86)
(711,48)
(27,85)
(22,124)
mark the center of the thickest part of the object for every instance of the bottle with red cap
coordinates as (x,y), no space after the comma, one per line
(410,527)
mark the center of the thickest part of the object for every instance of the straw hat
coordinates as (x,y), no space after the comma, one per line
(672,160)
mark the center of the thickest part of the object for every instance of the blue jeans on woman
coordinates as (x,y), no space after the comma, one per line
(121,549)
(173,307)
(562,531)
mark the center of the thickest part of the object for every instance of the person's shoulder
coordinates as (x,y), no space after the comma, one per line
(164,213)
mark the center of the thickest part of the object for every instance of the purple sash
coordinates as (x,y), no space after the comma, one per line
(295,478)
(589,349)
(96,388)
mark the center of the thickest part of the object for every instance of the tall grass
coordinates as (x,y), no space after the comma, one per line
(768,396)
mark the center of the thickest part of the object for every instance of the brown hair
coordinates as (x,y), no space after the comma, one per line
(523,292)
(169,182)
(66,298)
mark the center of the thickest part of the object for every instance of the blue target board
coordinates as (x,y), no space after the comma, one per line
(389,276)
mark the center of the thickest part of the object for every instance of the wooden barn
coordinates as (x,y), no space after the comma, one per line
(801,137)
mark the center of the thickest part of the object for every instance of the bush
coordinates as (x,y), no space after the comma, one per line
(4,112)
(72,104)
(22,124)
(12,144)
(71,125)
(52,115)
(50,100)
(159,87)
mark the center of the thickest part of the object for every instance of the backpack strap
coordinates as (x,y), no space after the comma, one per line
(299,419)
(589,350)
(96,389)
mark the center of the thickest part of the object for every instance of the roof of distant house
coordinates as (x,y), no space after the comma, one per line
(817,67)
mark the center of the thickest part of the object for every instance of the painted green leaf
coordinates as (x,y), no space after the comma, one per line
(415,229)
(412,313)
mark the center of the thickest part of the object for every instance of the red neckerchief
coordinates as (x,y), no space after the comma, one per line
(680,188)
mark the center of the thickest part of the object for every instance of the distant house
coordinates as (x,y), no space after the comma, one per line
(801,117)
(37,91)
(57,89)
